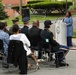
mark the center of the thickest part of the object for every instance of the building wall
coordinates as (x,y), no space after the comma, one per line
(9,3)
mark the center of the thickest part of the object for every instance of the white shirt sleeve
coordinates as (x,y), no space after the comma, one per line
(10,38)
(25,40)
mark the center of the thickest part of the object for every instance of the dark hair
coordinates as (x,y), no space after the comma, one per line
(17,18)
(69,13)
(47,26)
(2,25)
(15,28)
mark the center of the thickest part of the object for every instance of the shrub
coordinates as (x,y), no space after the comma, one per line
(3,14)
(49,6)
(32,2)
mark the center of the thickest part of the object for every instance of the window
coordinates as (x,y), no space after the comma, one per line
(9,6)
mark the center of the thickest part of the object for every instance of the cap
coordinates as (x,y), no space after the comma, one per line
(15,20)
(47,22)
(25,19)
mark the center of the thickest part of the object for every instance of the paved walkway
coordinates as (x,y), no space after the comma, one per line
(48,70)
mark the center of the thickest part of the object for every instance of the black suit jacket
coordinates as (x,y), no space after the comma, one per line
(25,30)
(34,34)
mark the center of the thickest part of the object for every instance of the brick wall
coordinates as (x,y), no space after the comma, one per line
(8,3)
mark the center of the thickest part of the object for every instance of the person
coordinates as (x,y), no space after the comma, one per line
(34,34)
(15,21)
(69,22)
(5,37)
(25,29)
(55,46)
(26,43)
(6,30)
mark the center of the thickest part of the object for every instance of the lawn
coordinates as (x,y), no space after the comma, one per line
(74,36)
(38,17)
(34,17)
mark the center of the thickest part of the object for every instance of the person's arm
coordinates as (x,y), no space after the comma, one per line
(70,22)
(25,40)
(6,38)
(52,41)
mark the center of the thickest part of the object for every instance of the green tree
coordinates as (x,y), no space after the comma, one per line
(3,14)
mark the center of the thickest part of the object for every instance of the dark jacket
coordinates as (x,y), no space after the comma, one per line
(34,34)
(16,53)
(46,34)
(25,30)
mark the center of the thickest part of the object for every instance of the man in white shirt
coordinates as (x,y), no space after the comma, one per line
(24,39)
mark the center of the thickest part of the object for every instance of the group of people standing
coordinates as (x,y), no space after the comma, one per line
(31,37)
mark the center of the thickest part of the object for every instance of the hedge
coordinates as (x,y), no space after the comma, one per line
(48,5)
(59,5)
(32,2)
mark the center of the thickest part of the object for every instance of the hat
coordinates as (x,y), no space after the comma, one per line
(25,19)
(15,20)
(47,22)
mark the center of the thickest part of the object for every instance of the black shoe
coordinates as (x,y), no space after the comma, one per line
(21,73)
(5,65)
(63,64)
(1,58)
(52,59)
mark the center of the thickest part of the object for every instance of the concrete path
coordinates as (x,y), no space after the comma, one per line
(45,69)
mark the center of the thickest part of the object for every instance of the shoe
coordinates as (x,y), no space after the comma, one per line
(37,66)
(1,58)
(61,64)
(52,59)
(21,73)
(41,60)
(29,66)
(5,65)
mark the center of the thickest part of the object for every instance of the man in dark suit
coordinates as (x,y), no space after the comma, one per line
(25,28)
(34,34)
(55,46)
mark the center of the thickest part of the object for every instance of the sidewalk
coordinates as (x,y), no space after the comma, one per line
(49,70)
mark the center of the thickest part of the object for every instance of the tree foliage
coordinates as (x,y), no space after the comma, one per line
(3,14)
(48,5)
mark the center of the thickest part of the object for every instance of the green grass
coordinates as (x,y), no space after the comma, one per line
(74,36)
(34,17)
(38,17)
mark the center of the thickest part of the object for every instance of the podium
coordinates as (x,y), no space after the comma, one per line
(61,32)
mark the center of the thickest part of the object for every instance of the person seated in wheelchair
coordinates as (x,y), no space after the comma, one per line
(22,37)
(47,35)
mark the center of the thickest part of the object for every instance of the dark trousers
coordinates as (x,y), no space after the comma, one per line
(39,54)
(60,52)
(69,41)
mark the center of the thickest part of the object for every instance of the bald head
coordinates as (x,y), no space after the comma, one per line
(36,23)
